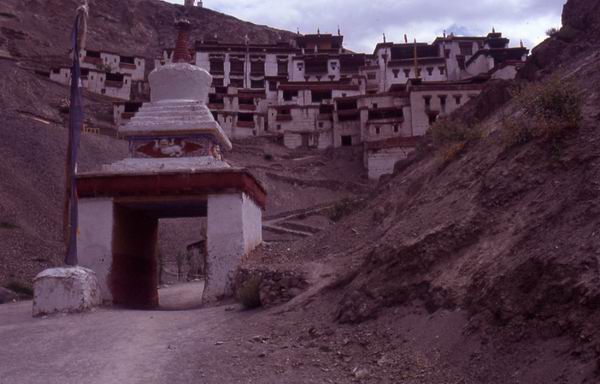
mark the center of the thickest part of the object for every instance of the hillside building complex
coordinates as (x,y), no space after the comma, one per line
(315,93)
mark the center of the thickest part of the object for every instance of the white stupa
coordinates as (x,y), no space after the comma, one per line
(175,129)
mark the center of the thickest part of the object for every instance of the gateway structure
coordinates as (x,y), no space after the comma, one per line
(175,169)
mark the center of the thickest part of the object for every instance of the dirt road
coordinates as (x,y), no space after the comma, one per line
(212,345)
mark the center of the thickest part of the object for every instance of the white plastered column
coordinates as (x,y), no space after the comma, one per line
(94,242)
(234,228)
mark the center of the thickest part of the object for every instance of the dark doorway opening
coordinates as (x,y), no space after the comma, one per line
(346,141)
(136,271)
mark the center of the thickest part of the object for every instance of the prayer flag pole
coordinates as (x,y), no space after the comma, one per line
(75,125)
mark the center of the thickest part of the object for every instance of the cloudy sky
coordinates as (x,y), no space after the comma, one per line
(363,22)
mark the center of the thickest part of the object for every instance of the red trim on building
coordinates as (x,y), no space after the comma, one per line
(171,184)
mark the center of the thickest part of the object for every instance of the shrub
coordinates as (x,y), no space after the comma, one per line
(552,32)
(20,288)
(7,225)
(345,207)
(449,131)
(549,109)
(249,293)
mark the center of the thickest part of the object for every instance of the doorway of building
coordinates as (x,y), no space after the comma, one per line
(346,141)
(141,255)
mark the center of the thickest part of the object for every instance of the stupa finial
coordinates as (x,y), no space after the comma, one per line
(182,50)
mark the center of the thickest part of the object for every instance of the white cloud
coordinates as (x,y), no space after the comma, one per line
(363,23)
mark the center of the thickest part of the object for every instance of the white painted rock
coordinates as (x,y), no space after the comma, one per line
(67,290)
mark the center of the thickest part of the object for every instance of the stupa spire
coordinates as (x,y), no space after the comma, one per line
(182,50)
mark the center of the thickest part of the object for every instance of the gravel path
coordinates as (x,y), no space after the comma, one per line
(211,345)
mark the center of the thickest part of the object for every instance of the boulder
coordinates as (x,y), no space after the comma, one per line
(66,290)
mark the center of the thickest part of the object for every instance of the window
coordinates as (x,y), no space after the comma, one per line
(247,117)
(282,68)
(419,70)
(346,141)
(396,128)
(217,66)
(326,109)
(257,84)
(289,95)
(443,102)
(257,68)
(447,53)
(375,105)
(430,71)
(237,83)
(427,101)
(457,99)
(279,127)
(432,118)
(377,130)
(407,73)
(321,124)
(373,75)
(320,96)
(237,67)
(346,105)
(215,99)
(217,82)
(215,115)
(246,101)
(396,72)
(272,85)
(466,49)
(442,70)
(300,66)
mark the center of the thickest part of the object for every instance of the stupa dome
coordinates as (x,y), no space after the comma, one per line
(179,82)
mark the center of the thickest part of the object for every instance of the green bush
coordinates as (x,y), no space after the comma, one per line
(449,131)
(549,110)
(249,293)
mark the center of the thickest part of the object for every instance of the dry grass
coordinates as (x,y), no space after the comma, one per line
(451,152)
(548,111)
(450,131)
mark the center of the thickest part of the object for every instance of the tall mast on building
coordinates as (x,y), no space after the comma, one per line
(247,61)
(416,61)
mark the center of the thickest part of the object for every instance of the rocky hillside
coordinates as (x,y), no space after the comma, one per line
(482,253)
(39,30)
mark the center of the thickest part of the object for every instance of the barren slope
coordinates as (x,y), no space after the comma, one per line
(39,30)
(505,240)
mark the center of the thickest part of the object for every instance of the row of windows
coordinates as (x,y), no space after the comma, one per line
(443,99)
(395,128)
(239,66)
(429,70)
